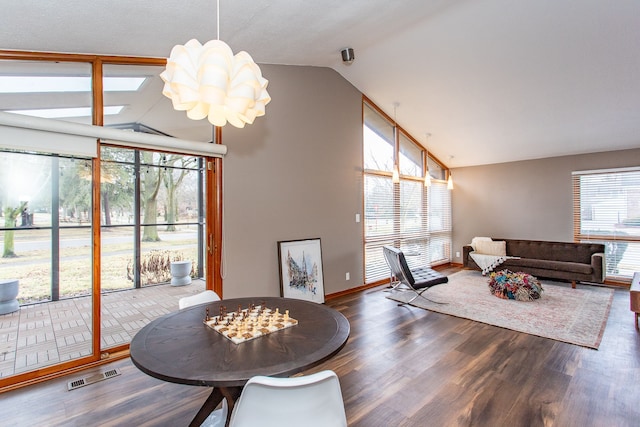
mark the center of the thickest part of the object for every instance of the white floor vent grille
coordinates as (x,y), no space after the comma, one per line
(91,379)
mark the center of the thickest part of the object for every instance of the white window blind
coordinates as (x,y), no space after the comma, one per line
(379,224)
(410,159)
(27,133)
(61,137)
(607,210)
(408,215)
(378,140)
(440,228)
(413,236)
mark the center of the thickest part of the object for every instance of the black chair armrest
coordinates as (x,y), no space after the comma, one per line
(598,263)
(466,249)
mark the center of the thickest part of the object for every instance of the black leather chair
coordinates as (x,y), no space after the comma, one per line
(417,280)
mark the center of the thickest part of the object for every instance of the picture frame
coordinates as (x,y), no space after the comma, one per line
(300,267)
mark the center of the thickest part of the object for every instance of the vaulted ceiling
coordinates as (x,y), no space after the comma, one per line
(491,80)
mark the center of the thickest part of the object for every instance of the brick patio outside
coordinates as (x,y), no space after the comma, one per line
(44,334)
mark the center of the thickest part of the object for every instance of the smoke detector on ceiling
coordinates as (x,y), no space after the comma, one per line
(348,56)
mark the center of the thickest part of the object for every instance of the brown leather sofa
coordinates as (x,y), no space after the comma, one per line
(574,262)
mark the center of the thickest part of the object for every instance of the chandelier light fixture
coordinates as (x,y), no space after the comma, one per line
(450,179)
(210,81)
(395,176)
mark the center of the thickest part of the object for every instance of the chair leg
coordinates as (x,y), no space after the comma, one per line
(418,293)
(394,286)
(394,283)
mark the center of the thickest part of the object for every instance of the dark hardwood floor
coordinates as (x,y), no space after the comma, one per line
(402,366)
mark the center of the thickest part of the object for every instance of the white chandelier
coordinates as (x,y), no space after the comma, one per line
(210,81)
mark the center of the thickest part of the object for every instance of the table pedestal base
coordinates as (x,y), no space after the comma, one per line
(214,399)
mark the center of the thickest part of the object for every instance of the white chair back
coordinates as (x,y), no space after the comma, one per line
(201,298)
(310,401)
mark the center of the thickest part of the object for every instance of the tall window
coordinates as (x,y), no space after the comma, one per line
(606,210)
(406,214)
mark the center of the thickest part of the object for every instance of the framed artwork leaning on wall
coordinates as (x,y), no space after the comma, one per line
(300,265)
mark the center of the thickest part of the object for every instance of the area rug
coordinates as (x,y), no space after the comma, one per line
(575,316)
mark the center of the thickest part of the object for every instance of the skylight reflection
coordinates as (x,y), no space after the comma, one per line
(51,84)
(56,113)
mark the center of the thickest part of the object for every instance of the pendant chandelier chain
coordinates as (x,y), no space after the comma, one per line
(218,18)
(426,143)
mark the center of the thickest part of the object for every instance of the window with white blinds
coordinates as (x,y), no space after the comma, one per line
(410,158)
(407,214)
(378,141)
(439,223)
(606,210)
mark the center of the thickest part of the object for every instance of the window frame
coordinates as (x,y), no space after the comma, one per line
(416,242)
(593,224)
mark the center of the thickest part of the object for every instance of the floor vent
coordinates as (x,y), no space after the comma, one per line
(91,379)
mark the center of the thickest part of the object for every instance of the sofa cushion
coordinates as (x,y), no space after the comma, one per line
(426,277)
(573,267)
(557,251)
(489,247)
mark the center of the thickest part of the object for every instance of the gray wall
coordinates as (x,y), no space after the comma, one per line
(528,200)
(294,174)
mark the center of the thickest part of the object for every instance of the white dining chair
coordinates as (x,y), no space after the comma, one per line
(311,401)
(201,298)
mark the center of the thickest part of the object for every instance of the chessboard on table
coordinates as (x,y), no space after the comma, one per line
(249,323)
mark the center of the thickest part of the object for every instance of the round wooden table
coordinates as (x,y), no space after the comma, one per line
(180,348)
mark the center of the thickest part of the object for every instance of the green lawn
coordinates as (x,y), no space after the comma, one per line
(33,268)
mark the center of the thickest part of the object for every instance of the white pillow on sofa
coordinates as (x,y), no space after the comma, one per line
(477,239)
(490,247)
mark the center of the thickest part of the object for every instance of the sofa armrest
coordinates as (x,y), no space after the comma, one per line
(598,263)
(465,255)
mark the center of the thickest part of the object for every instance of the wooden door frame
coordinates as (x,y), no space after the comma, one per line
(214,210)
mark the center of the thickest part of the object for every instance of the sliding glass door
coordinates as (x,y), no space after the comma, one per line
(152,214)
(89,228)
